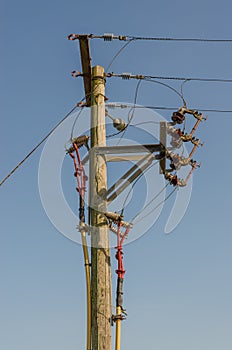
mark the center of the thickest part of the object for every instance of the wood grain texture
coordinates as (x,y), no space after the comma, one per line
(100,252)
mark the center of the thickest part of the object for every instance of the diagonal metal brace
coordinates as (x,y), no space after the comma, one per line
(130,176)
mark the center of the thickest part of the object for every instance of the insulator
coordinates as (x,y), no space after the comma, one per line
(178,161)
(194,163)
(119,124)
(115,217)
(186,137)
(184,161)
(113,229)
(181,183)
(176,142)
(108,37)
(126,76)
(126,224)
(173,131)
(178,117)
(173,179)
(197,142)
(81,140)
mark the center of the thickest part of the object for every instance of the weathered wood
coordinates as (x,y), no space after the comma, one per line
(163,140)
(100,252)
(86,66)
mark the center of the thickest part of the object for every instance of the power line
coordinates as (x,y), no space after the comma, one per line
(127,76)
(115,105)
(74,123)
(117,54)
(135,182)
(110,37)
(204,40)
(169,87)
(214,80)
(130,117)
(157,206)
(39,144)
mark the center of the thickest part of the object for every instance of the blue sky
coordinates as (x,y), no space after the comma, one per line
(178,287)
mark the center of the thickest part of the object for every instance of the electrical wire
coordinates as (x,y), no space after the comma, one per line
(127,76)
(133,185)
(169,87)
(111,105)
(110,37)
(147,122)
(74,123)
(135,100)
(134,106)
(78,115)
(214,80)
(204,40)
(117,54)
(157,206)
(46,136)
(151,201)
(38,145)
(128,118)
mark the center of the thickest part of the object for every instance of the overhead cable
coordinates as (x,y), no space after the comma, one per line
(127,76)
(118,105)
(156,207)
(204,40)
(111,36)
(39,144)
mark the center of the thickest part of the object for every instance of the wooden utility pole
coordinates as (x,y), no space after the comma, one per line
(98,156)
(100,252)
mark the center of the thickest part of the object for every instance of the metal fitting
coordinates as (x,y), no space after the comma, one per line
(73,37)
(122,37)
(119,124)
(114,318)
(83,227)
(76,73)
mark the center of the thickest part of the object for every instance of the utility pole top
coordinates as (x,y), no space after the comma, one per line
(86,66)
